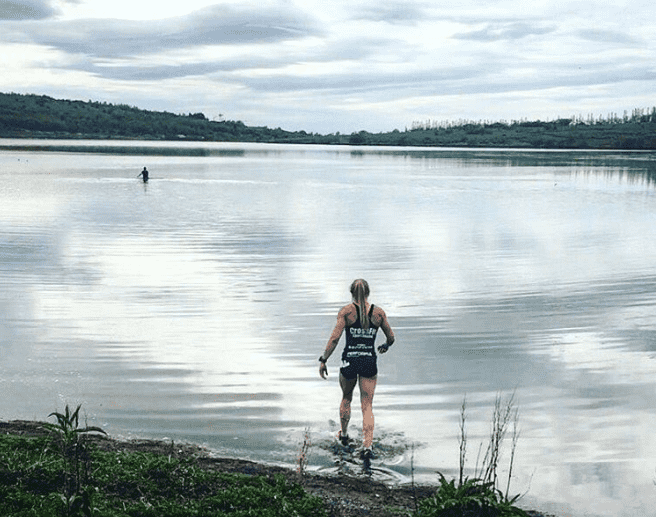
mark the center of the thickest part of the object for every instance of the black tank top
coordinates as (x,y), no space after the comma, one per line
(359,341)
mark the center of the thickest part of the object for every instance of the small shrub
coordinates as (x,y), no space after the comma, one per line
(471,498)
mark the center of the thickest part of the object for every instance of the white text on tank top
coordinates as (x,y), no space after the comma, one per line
(359,341)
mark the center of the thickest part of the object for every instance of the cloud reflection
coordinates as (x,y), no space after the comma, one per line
(198,305)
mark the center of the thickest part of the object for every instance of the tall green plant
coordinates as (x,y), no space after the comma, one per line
(503,415)
(69,437)
(479,496)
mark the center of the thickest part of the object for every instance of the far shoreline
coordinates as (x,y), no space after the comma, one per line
(134,146)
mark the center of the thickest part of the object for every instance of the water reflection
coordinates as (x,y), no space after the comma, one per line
(195,309)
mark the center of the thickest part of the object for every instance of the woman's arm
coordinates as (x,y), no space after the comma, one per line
(387,330)
(333,340)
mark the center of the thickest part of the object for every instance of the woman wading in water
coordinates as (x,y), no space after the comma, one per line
(361,321)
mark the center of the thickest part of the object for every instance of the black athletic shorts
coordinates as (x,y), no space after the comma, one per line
(362,366)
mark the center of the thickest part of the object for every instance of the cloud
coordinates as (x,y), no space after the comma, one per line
(360,60)
(363,80)
(392,12)
(26,9)
(505,31)
(150,73)
(607,36)
(219,24)
(259,58)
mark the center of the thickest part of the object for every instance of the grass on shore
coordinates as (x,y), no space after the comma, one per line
(53,470)
(33,475)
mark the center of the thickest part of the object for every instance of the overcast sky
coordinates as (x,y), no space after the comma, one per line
(337,65)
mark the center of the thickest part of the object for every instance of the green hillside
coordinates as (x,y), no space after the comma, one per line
(39,116)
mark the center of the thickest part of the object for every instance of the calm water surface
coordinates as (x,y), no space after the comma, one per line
(194,307)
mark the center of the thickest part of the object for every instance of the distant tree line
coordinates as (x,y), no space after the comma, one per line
(630,131)
(39,116)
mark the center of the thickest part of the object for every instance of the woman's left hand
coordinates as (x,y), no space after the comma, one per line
(323,370)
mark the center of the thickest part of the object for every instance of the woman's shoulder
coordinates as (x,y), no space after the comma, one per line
(348,309)
(378,316)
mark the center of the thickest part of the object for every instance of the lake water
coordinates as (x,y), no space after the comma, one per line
(194,307)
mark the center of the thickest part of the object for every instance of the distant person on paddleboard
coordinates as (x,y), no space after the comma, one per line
(361,321)
(144,173)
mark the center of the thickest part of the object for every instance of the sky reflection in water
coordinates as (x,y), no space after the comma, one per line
(195,307)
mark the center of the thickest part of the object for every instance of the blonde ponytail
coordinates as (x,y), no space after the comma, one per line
(360,293)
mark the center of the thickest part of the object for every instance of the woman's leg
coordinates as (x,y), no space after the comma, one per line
(347,385)
(367,388)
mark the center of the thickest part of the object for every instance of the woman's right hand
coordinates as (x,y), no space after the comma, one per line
(323,370)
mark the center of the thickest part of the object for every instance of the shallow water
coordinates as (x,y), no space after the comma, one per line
(194,307)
